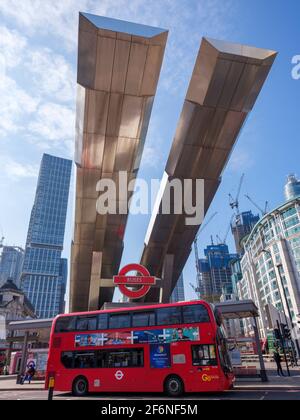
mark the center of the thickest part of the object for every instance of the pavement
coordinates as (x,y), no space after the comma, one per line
(278,388)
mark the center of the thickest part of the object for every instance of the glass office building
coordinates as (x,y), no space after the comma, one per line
(215,272)
(44,273)
(241,227)
(11,261)
(178,294)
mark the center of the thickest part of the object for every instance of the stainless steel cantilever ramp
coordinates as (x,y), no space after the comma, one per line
(118,69)
(225,84)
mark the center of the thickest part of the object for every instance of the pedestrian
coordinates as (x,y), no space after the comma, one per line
(277,359)
(29,374)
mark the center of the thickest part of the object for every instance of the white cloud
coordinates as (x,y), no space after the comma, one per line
(12,44)
(15,170)
(54,122)
(52,74)
(240,161)
(14,104)
(55,17)
(151,157)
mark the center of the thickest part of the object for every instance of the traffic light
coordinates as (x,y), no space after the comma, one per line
(286,332)
(277,334)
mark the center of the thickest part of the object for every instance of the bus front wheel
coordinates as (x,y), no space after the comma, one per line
(174,386)
(80,387)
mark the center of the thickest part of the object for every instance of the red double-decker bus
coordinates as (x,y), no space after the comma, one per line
(171,348)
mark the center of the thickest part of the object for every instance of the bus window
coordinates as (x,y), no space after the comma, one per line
(67,359)
(103,322)
(118,321)
(125,358)
(195,314)
(143,319)
(65,324)
(169,316)
(204,355)
(86,323)
(84,360)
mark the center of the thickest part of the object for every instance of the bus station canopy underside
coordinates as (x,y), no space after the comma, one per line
(225,84)
(118,69)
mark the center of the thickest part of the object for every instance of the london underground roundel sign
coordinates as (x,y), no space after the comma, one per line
(144,280)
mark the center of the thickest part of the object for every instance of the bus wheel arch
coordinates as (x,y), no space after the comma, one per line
(80,386)
(174,386)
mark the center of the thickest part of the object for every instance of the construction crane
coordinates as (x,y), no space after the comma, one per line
(263,212)
(196,250)
(234,203)
(227,232)
(2,237)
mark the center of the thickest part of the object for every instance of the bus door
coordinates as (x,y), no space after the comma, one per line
(205,372)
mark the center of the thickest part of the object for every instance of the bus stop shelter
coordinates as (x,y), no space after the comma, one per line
(243,310)
(34,330)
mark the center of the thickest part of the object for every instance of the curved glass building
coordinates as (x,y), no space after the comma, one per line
(292,188)
(272,261)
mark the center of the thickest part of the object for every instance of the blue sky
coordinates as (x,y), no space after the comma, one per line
(38,47)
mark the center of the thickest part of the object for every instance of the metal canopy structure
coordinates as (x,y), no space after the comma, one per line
(238,309)
(225,84)
(30,325)
(118,69)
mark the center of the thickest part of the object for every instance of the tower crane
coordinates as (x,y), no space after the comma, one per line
(234,203)
(227,232)
(197,253)
(263,212)
(1,238)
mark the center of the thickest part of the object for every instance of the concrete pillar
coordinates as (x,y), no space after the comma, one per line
(95,281)
(10,349)
(23,357)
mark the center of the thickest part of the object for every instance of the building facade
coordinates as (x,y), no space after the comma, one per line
(178,294)
(271,263)
(44,272)
(215,272)
(11,261)
(241,227)
(14,305)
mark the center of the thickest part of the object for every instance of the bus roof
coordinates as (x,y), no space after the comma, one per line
(139,308)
